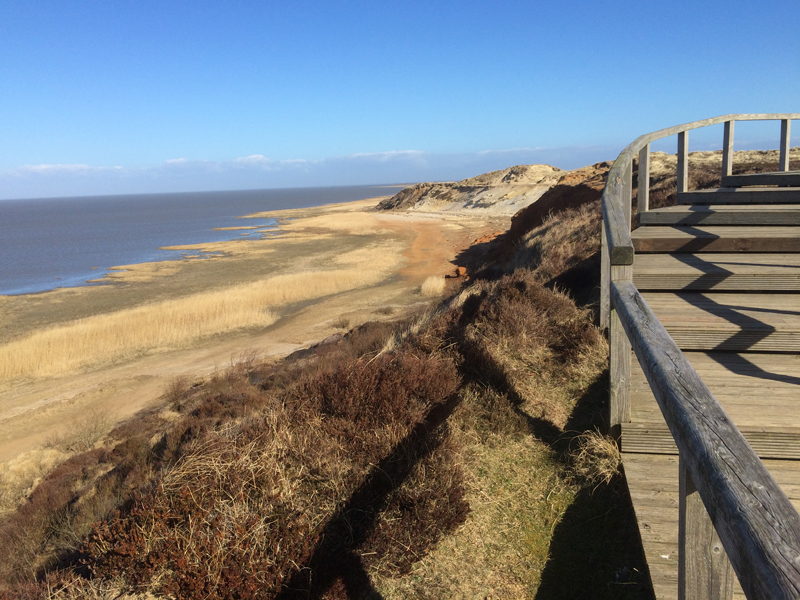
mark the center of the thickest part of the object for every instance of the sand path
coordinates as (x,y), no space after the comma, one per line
(34,411)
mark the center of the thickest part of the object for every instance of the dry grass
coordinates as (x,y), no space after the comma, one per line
(84,435)
(517,497)
(433,286)
(341,323)
(73,587)
(20,476)
(562,241)
(596,459)
(181,322)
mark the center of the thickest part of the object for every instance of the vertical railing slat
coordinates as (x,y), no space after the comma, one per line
(704,571)
(643,193)
(727,149)
(605,280)
(786,134)
(620,346)
(683,161)
(619,362)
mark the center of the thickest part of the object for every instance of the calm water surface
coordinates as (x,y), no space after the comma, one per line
(62,242)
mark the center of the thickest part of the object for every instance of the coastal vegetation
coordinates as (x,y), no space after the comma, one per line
(456,452)
(180,322)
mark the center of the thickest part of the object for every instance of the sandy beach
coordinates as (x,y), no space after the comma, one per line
(324,270)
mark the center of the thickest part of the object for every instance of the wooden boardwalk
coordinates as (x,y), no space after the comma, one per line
(701,302)
(724,280)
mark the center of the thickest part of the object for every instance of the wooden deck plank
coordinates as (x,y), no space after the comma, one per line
(741,195)
(781,178)
(657,439)
(658,521)
(729,321)
(760,393)
(717,272)
(716,238)
(710,250)
(723,214)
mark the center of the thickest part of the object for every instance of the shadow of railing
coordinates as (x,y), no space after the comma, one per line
(335,558)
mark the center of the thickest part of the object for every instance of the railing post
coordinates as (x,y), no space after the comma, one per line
(704,571)
(619,362)
(727,149)
(619,345)
(605,280)
(683,161)
(786,134)
(626,193)
(643,194)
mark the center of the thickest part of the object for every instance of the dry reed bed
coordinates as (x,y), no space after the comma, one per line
(178,323)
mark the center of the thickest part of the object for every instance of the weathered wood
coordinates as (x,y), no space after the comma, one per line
(751,518)
(643,192)
(704,572)
(723,214)
(653,483)
(756,522)
(683,162)
(655,438)
(758,391)
(786,128)
(619,244)
(785,195)
(716,238)
(617,227)
(605,281)
(787,179)
(619,363)
(727,148)
(709,271)
(627,194)
(729,321)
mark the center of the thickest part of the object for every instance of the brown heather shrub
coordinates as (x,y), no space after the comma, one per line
(220,525)
(428,504)
(534,340)
(254,480)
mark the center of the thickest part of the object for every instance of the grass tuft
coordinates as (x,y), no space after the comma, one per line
(433,286)
(596,459)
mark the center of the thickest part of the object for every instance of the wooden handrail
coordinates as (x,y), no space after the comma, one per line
(739,504)
(758,526)
(618,235)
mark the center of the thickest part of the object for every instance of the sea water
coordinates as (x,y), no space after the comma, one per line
(62,242)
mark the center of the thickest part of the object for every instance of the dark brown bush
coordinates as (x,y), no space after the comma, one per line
(332,427)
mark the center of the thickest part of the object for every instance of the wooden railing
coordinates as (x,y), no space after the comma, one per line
(729,503)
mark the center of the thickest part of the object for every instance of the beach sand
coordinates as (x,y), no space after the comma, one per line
(395,253)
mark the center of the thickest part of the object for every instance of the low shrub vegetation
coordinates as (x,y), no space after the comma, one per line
(455,454)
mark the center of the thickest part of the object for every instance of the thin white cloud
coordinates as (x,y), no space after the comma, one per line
(511,150)
(254,159)
(389,155)
(257,171)
(60,169)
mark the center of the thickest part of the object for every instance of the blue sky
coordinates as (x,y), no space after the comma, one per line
(123,97)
